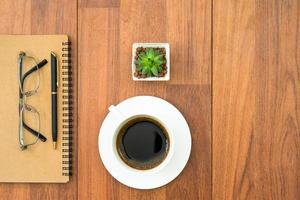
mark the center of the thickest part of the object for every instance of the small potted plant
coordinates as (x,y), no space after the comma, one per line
(151,62)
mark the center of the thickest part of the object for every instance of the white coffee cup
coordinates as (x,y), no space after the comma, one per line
(120,119)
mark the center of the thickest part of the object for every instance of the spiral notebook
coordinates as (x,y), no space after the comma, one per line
(39,162)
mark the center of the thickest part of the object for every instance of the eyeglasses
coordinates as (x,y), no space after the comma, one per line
(29,83)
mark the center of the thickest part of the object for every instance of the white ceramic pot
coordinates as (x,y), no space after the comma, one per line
(153,45)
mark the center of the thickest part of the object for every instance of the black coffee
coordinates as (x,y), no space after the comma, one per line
(142,143)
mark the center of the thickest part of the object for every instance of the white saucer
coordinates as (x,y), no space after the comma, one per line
(175,122)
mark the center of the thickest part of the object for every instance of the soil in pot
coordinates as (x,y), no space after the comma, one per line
(147,59)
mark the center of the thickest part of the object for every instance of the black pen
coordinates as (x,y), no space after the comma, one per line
(54,86)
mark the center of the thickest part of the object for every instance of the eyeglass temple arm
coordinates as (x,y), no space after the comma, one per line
(33,69)
(35,133)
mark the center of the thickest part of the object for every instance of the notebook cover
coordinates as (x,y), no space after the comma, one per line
(40,162)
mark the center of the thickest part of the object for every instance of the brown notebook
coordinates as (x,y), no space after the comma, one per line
(39,162)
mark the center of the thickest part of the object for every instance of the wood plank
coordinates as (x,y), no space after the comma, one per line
(189,34)
(42,17)
(98,52)
(106,36)
(194,102)
(256,92)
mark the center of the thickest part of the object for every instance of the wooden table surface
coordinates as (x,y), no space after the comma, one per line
(235,76)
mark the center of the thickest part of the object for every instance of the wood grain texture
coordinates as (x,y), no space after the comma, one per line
(256,100)
(195,180)
(188,27)
(105,41)
(99,3)
(42,17)
(255,84)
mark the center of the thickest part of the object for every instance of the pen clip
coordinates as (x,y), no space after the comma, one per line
(57,69)
(57,73)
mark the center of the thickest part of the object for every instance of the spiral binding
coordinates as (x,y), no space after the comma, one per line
(67,108)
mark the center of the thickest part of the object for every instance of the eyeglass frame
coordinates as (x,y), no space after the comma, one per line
(22,100)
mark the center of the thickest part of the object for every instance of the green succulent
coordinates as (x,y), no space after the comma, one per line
(150,62)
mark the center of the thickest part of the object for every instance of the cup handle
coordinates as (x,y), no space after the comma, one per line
(117,113)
